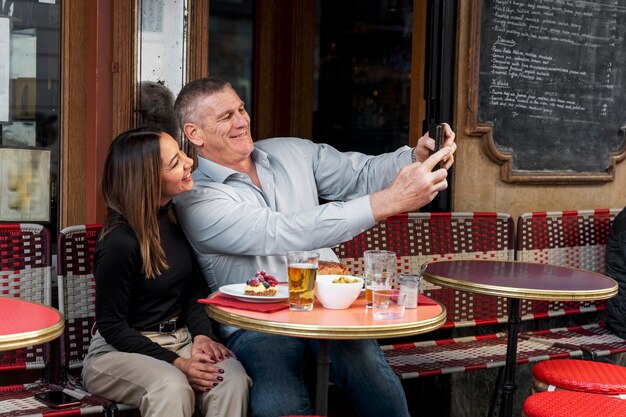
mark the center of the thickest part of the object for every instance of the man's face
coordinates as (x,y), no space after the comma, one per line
(224,128)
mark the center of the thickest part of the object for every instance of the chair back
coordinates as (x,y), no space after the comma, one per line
(423,237)
(77,291)
(25,272)
(575,238)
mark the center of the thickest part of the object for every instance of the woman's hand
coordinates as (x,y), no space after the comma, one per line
(216,351)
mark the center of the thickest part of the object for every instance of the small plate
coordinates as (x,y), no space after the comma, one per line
(238,291)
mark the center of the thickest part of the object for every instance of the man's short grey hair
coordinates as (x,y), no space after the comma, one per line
(192,95)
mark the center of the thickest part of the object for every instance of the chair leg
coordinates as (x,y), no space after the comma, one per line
(494,394)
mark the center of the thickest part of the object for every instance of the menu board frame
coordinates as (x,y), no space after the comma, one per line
(485,129)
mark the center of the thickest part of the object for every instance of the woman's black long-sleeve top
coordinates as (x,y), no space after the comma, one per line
(127,302)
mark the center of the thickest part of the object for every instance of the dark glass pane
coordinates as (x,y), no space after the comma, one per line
(363,67)
(231,44)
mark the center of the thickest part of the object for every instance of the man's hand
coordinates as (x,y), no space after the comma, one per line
(216,351)
(201,375)
(414,186)
(426,144)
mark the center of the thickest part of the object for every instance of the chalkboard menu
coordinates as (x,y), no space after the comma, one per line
(552,82)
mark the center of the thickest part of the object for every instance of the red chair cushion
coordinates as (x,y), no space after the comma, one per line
(573,404)
(581,375)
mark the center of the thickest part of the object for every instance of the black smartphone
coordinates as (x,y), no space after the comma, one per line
(57,399)
(437,132)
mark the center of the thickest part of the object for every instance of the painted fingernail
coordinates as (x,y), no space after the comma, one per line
(219,378)
(215,384)
(221,371)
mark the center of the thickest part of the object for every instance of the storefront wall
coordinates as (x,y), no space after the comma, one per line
(477,182)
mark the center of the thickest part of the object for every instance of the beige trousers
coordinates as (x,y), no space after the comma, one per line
(157,387)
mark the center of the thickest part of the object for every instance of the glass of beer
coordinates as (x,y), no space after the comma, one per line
(302,271)
(380,267)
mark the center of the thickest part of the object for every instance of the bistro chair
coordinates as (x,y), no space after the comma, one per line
(573,404)
(25,272)
(77,301)
(580,375)
(576,239)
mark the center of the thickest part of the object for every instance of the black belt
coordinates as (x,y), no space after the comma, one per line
(168,326)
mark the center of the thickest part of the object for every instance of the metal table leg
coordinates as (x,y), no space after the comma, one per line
(508,386)
(323,374)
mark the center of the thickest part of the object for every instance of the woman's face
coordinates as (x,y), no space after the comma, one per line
(175,169)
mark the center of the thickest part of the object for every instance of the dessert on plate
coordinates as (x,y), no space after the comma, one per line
(262,285)
(332,268)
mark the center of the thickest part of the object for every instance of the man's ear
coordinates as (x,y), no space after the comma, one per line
(193,134)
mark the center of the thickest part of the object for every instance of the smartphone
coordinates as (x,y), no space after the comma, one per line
(57,399)
(437,132)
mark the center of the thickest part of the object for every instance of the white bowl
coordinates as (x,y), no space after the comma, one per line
(334,295)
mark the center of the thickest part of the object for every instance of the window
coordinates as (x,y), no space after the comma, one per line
(29,111)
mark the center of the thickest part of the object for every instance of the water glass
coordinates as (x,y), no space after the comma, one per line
(302,271)
(380,266)
(388,304)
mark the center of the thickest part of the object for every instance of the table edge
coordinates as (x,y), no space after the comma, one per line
(529,294)
(326,332)
(35,337)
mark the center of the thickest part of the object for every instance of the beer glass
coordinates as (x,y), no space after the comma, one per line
(302,271)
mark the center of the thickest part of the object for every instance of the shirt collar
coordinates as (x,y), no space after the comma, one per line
(220,173)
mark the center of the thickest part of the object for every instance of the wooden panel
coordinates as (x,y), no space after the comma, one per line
(73,121)
(284,47)
(198,53)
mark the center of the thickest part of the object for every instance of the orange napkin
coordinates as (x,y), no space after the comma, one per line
(222,300)
(422,300)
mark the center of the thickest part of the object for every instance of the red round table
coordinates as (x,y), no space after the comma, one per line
(26,323)
(519,280)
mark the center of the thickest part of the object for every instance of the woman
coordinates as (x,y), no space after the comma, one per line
(154,346)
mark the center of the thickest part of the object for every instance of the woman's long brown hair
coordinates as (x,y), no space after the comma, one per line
(131,187)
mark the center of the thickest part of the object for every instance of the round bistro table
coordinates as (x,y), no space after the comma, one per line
(324,324)
(519,280)
(27,323)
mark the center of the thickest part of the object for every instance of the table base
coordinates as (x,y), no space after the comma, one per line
(508,386)
(323,374)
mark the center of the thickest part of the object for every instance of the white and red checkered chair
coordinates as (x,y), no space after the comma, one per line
(422,237)
(77,301)
(25,272)
(418,238)
(577,239)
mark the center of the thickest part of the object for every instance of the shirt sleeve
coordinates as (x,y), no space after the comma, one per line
(345,176)
(220,220)
(116,265)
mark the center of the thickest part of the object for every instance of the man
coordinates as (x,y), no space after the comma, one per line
(253,202)
(616,269)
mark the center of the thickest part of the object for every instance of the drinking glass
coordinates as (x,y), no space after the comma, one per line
(302,271)
(388,304)
(380,266)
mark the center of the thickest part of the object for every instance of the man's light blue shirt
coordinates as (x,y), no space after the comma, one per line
(237,228)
